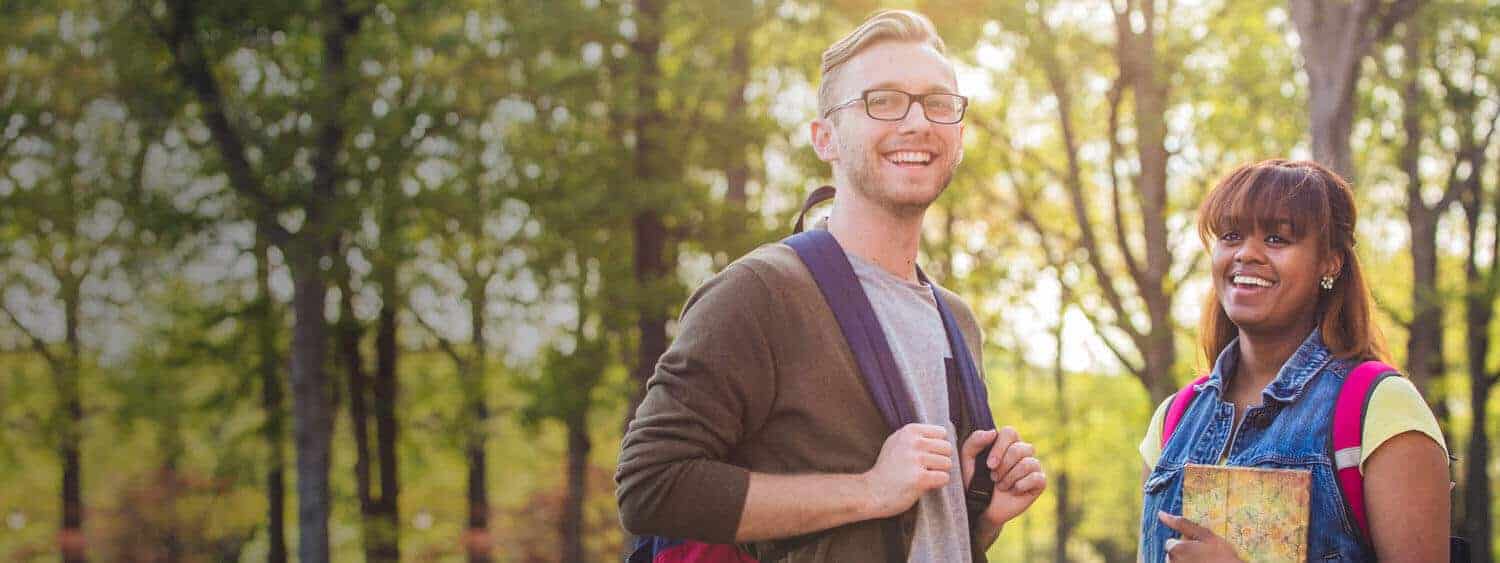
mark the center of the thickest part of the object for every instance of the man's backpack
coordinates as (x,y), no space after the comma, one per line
(841,289)
(1347,432)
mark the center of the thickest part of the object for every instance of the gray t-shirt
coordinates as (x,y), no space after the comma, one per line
(909,317)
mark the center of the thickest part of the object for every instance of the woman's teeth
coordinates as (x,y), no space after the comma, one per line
(1251,280)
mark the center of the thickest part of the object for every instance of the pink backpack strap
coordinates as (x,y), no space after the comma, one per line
(1348,431)
(1180,403)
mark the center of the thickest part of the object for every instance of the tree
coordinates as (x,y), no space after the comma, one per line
(472,253)
(1335,36)
(652,170)
(1424,347)
(401,148)
(1467,69)
(198,40)
(1144,73)
(73,160)
(267,322)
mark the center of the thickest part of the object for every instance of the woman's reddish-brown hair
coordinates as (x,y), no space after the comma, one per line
(1313,200)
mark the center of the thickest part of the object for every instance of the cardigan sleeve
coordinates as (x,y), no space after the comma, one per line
(712,387)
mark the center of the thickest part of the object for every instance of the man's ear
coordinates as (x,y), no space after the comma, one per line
(821,131)
(960,145)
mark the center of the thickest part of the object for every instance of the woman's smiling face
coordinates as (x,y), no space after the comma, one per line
(1266,275)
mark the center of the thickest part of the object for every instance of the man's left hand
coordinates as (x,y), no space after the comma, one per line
(1017,474)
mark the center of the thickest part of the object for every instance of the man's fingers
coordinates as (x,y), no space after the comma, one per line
(1016,452)
(1034,482)
(935,446)
(1023,469)
(1016,472)
(1008,434)
(928,430)
(931,479)
(1004,437)
(977,442)
(936,462)
(1188,528)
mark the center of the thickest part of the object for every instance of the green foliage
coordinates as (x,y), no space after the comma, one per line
(495,159)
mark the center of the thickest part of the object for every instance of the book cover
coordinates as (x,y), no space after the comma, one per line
(1263,513)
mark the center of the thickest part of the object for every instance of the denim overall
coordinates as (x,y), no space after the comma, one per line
(1289,430)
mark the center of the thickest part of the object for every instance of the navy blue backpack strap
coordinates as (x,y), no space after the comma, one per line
(872,354)
(975,402)
(820,195)
(830,268)
(856,317)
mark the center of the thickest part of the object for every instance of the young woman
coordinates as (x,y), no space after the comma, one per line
(1287,319)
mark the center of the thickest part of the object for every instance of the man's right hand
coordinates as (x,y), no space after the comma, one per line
(914,460)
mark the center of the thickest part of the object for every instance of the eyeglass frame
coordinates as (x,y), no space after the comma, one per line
(914,99)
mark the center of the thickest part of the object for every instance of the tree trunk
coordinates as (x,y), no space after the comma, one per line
(1140,73)
(358,388)
(1150,95)
(270,381)
(311,402)
(1483,286)
(71,538)
(571,526)
(1332,43)
(650,234)
(1479,311)
(1063,519)
(1477,524)
(736,172)
(372,399)
(1424,346)
(478,540)
(386,521)
(305,251)
(312,409)
(170,444)
(1334,37)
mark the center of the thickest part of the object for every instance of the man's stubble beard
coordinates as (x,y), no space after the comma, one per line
(863,179)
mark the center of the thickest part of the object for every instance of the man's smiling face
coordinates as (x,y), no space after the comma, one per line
(900,165)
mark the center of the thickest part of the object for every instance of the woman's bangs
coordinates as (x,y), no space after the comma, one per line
(1266,197)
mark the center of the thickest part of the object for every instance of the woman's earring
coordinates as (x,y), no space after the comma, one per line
(1326,282)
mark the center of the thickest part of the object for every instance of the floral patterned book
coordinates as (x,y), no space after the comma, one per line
(1263,513)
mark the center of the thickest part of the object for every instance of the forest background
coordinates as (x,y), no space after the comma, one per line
(379,280)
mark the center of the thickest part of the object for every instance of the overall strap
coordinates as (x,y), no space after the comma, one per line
(1180,403)
(1348,430)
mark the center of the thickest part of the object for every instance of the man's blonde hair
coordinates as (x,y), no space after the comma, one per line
(885,25)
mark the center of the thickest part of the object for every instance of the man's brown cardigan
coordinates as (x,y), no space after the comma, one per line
(759,379)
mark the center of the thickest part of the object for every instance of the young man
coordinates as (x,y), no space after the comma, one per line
(757,427)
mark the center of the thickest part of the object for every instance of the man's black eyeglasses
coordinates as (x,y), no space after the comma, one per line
(893,105)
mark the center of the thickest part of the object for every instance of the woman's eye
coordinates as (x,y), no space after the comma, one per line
(1277,239)
(1230,236)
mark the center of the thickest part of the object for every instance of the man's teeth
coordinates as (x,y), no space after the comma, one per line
(1252,280)
(910,156)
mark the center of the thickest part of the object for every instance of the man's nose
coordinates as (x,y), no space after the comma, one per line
(916,118)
